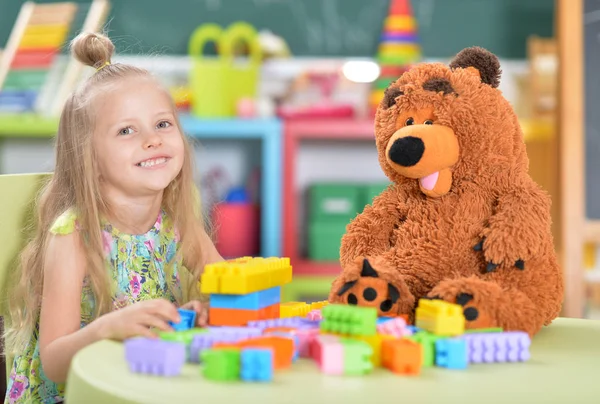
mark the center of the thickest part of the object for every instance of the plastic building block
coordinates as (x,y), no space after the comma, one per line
(451,353)
(295,322)
(155,356)
(294,309)
(498,347)
(402,356)
(427,342)
(188,320)
(318,305)
(287,334)
(221,364)
(245,275)
(257,364)
(215,335)
(238,317)
(439,317)
(382,320)
(250,301)
(396,327)
(331,359)
(305,338)
(315,315)
(375,342)
(351,320)
(357,357)
(413,329)
(317,344)
(283,348)
(185,336)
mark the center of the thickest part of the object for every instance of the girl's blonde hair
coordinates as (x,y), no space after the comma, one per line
(75,185)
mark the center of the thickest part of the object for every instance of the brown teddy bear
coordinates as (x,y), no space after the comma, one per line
(462,221)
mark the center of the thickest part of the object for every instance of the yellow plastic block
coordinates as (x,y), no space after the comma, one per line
(293,309)
(245,275)
(46,29)
(440,318)
(399,23)
(318,305)
(49,40)
(399,49)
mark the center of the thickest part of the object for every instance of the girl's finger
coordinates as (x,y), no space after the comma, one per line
(155,322)
(167,310)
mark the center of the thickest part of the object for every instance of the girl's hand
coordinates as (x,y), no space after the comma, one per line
(137,319)
(201,310)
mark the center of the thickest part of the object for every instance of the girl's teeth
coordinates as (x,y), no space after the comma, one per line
(150,163)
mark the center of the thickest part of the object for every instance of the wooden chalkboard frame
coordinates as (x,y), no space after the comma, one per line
(576,229)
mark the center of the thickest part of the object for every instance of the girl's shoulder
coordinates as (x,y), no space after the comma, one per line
(66,223)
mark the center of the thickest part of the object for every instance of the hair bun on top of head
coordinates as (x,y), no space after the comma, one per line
(92,49)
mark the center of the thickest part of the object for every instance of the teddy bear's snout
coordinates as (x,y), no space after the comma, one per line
(407,151)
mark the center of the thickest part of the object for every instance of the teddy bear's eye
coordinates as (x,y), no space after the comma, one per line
(428,122)
(409,122)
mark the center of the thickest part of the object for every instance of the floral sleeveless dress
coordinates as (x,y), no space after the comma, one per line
(141,267)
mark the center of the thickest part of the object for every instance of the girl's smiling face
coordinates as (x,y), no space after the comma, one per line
(138,145)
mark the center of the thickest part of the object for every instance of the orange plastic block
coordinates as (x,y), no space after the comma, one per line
(245,275)
(283,348)
(294,309)
(237,317)
(402,356)
(376,343)
(279,329)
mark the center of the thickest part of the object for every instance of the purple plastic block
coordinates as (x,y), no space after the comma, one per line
(510,346)
(216,335)
(293,322)
(155,356)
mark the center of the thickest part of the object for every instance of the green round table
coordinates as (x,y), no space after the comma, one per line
(564,366)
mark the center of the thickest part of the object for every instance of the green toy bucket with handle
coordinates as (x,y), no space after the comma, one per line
(208,75)
(243,74)
(218,83)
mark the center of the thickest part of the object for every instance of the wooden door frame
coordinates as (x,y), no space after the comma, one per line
(571,132)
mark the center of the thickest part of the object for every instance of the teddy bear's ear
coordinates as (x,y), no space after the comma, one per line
(479,60)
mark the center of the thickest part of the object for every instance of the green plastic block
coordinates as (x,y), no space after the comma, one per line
(185,336)
(349,320)
(334,201)
(357,357)
(221,364)
(325,239)
(427,342)
(484,330)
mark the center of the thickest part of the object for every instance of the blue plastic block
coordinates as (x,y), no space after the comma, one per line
(382,320)
(257,364)
(451,353)
(251,301)
(413,329)
(188,320)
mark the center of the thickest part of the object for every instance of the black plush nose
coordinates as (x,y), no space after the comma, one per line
(407,151)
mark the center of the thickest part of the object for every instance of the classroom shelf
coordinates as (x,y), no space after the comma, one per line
(27,125)
(296,130)
(268,131)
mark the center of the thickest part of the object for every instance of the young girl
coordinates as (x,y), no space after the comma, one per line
(120,242)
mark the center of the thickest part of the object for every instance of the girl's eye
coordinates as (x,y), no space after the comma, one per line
(126,131)
(163,124)
(409,122)
(428,122)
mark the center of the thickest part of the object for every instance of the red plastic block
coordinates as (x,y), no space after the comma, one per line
(237,317)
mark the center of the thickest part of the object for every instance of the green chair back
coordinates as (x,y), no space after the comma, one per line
(17,211)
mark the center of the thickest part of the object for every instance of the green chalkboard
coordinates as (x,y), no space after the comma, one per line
(323,27)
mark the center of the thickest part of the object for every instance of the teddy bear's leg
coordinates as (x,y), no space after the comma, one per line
(510,298)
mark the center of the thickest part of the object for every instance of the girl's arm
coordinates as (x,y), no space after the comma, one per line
(209,251)
(60,316)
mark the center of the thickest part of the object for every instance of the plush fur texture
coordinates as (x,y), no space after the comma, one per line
(463,221)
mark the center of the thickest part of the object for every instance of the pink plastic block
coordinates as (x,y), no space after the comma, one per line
(305,337)
(332,358)
(155,356)
(316,347)
(395,327)
(314,315)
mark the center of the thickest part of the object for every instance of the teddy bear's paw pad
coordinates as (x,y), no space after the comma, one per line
(492,266)
(475,316)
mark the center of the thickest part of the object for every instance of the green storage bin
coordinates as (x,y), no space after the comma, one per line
(325,238)
(370,191)
(334,201)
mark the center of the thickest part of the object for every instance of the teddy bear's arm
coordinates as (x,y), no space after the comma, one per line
(370,232)
(519,228)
